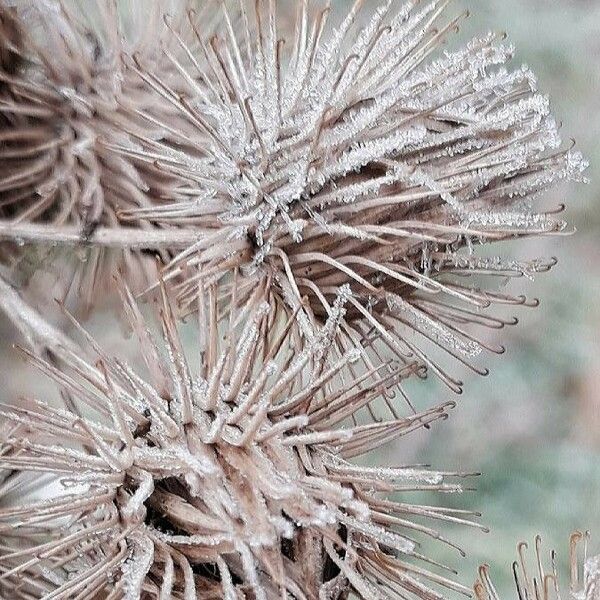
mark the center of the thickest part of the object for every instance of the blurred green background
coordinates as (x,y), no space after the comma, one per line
(533,426)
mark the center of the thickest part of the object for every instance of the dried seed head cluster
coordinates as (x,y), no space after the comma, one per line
(315,192)
(351,153)
(229,481)
(357,154)
(534,581)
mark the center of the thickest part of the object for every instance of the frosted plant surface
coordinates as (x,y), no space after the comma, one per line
(363,150)
(234,478)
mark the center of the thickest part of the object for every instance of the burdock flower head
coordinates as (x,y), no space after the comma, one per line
(359,153)
(535,579)
(232,478)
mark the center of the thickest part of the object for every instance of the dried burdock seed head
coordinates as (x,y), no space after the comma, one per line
(68,97)
(360,154)
(535,582)
(231,478)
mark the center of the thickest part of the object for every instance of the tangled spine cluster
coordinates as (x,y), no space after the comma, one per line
(232,479)
(315,193)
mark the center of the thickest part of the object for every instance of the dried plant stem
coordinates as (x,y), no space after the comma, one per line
(39,333)
(108,237)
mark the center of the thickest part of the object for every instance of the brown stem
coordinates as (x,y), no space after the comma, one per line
(110,237)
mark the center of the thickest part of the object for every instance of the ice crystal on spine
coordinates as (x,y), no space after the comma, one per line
(360,153)
(232,478)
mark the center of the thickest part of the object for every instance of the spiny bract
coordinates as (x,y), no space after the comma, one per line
(535,581)
(229,480)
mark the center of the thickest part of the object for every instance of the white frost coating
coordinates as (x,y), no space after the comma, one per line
(421,321)
(591,580)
